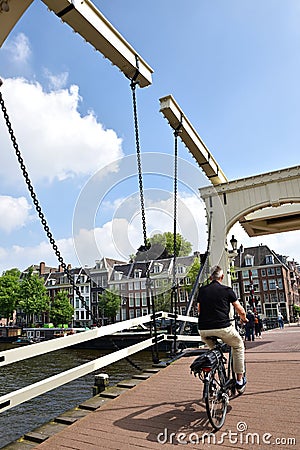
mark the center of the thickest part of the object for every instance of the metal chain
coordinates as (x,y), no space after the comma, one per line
(175,205)
(174,293)
(38,207)
(139,163)
(150,297)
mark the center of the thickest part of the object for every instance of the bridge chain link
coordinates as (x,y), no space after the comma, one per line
(44,222)
(38,206)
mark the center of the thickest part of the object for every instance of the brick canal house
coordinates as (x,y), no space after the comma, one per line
(267,282)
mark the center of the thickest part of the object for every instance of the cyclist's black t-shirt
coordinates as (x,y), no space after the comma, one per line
(215,300)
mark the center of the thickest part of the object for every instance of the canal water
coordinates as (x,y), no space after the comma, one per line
(29,415)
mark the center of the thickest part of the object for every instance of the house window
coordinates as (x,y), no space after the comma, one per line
(157,268)
(131,314)
(269,259)
(131,300)
(272,284)
(118,276)
(278,270)
(263,272)
(271,271)
(245,273)
(249,260)
(144,299)
(265,285)
(137,273)
(180,269)
(137,300)
(182,296)
(247,286)
(158,283)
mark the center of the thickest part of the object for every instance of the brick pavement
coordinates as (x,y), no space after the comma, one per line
(168,402)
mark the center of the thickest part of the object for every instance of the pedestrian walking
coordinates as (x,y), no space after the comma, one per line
(257,325)
(280,321)
(250,326)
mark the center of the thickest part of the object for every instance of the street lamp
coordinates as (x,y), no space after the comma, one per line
(233,242)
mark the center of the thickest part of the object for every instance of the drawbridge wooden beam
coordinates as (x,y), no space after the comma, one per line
(10,12)
(190,138)
(86,20)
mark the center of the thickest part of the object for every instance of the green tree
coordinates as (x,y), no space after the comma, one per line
(61,310)
(33,298)
(296,310)
(9,293)
(162,301)
(109,304)
(166,241)
(192,274)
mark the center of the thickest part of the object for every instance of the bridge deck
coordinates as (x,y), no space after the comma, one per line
(168,402)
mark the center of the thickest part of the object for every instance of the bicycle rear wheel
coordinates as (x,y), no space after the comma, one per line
(216,399)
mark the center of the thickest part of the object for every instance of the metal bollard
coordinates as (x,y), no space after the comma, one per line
(101,381)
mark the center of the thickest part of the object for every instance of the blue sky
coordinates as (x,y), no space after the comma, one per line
(232,66)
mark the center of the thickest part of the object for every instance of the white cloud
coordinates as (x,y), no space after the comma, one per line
(58,81)
(23,257)
(19,48)
(14,213)
(54,139)
(122,236)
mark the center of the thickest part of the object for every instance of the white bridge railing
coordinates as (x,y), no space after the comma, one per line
(17,397)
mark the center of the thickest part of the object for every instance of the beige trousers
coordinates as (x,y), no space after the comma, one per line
(231,337)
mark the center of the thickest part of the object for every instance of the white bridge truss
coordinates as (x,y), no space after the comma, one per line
(17,397)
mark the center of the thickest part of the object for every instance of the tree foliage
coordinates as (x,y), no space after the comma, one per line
(166,241)
(61,311)
(192,274)
(162,301)
(33,298)
(9,292)
(109,304)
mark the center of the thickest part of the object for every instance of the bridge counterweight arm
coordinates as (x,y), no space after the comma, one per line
(86,20)
(190,138)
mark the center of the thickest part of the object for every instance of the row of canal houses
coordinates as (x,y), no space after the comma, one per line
(126,279)
(261,279)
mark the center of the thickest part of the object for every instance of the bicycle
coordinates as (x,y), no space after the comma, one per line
(216,372)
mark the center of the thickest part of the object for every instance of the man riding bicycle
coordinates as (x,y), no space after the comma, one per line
(214,301)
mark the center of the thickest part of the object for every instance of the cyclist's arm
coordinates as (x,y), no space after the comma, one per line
(240,310)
